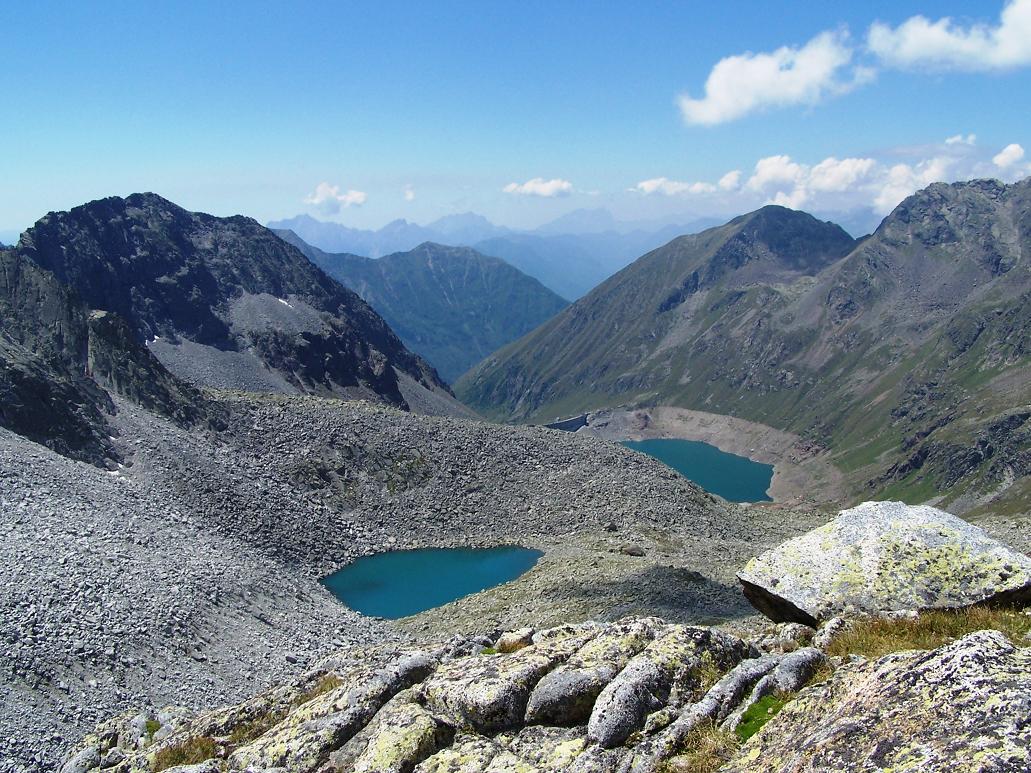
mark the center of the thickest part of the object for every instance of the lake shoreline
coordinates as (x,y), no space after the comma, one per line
(802,474)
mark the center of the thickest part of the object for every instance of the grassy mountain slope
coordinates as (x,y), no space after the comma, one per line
(908,356)
(451,305)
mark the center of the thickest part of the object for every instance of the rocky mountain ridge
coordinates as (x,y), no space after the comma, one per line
(452,305)
(208,288)
(905,357)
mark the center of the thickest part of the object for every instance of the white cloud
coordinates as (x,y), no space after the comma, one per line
(792,184)
(329,199)
(959,139)
(833,175)
(919,42)
(745,83)
(538,186)
(774,171)
(408,192)
(902,180)
(731,181)
(668,187)
(1008,156)
(794,200)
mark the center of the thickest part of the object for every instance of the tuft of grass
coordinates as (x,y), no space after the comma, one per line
(325,684)
(152,727)
(707,673)
(188,752)
(880,636)
(489,651)
(759,713)
(705,750)
(246,732)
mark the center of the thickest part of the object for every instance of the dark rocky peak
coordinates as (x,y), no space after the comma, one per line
(792,239)
(228,285)
(980,219)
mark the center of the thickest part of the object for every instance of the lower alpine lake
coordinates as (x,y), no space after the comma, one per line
(735,478)
(405,582)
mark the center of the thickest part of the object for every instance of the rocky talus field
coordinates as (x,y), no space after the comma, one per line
(189,573)
(871,684)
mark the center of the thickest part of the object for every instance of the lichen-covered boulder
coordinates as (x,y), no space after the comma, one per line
(468,753)
(304,740)
(962,707)
(664,670)
(489,693)
(885,556)
(402,735)
(566,695)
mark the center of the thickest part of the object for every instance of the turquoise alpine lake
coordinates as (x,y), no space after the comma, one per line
(735,478)
(406,582)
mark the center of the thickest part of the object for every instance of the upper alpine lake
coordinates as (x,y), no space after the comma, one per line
(400,583)
(735,478)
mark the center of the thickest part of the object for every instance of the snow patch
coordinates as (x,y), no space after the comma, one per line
(284,303)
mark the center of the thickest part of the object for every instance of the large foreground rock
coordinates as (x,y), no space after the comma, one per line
(885,556)
(963,707)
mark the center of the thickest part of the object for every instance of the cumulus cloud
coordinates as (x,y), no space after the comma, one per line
(538,186)
(750,82)
(902,180)
(1008,156)
(834,176)
(774,171)
(731,181)
(408,192)
(668,187)
(861,185)
(330,200)
(945,45)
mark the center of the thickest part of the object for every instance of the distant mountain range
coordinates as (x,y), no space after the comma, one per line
(451,305)
(139,298)
(570,255)
(907,353)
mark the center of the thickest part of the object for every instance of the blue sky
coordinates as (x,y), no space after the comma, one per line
(363,113)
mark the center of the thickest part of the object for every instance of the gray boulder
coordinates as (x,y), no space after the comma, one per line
(665,672)
(885,556)
(962,707)
(566,695)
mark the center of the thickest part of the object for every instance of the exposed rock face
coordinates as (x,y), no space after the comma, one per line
(58,362)
(445,710)
(963,707)
(885,556)
(228,285)
(899,356)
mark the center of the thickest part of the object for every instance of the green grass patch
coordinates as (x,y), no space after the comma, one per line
(706,749)
(705,674)
(152,727)
(759,713)
(489,651)
(877,636)
(188,752)
(325,684)
(248,731)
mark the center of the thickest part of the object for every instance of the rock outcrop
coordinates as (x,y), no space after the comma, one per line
(962,707)
(442,709)
(881,557)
